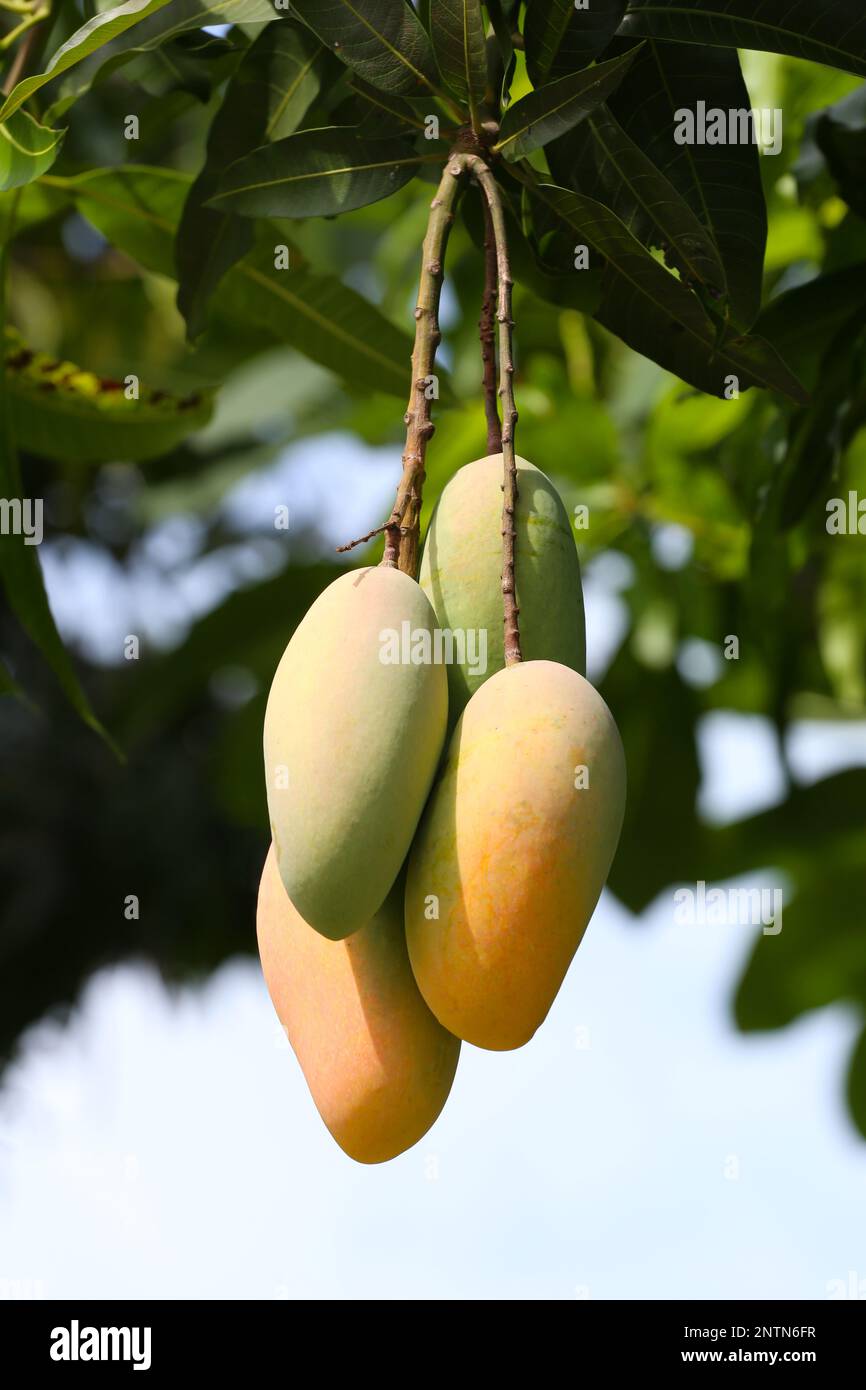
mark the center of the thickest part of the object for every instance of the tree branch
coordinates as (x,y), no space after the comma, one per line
(28,27)
(487,182)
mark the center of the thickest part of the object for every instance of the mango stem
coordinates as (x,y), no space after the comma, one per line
(487,183)
(487,336)
(403,526)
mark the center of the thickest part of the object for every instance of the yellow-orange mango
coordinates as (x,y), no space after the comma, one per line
(378,1065)
(354,729)
(513,851)
(461,573)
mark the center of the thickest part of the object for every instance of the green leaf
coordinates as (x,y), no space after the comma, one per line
(856,1086)
(381,113)
(19,565)
(605,162)
(316,173)
(840,134)
(550,111)
(458,39)
(32,203)
(27,149)
(819,436)
(97,32)
(382,40)
(652,311)
(324,319)
(194,62)
(160,25)
(832,32)
(138,209)
(561,39)
(267,97)
(817,958)
(721,183)
(60,411)
(802,323)
(8,685)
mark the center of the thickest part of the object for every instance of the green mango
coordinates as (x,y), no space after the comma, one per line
(461,573)
(354,728)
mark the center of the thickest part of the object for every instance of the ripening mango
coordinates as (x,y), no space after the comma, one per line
(461,568)
(354,728)
(513,851)
(378,1065)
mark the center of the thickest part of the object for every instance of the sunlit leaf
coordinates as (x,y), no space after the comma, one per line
(27,149)
(550,111)
(62,411)
(382,40)
(93,35)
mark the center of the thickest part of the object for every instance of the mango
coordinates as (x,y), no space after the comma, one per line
(513,851)
(354,728)
(378,1065)
(461,568)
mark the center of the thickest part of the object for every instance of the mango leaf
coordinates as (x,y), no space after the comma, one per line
(550,111)
(19,565)
(832,32)
(819,436)
(325,320)
(817,958)
(267,97)
(501,55)
(160,26)
(840,134)
(30,204)
(457,29)
(194,62)
(381,40)
(803,323)
(138,209)
(857,1084)
(62,412)
(97,32)
(721,184)
(652,311)
(560,38)
(381,113)
(315,173)
(27,149)
(658,730)
(600,159)
(8,684)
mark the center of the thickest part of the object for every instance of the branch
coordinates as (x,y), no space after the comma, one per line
(487,182)
(402,527)
(487,334)
(27,27)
